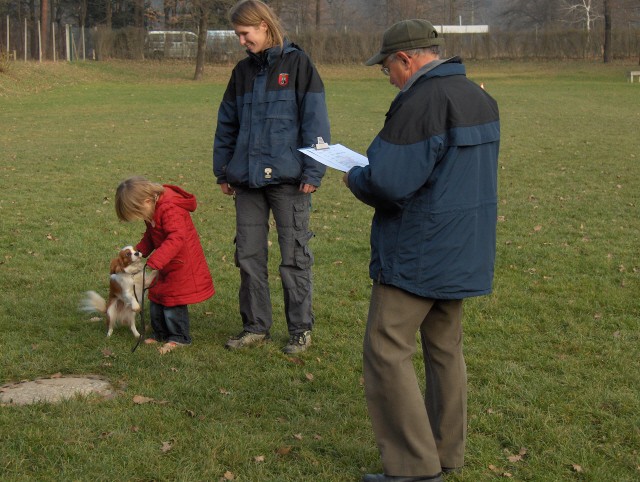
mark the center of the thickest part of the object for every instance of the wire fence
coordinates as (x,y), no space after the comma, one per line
(66,42)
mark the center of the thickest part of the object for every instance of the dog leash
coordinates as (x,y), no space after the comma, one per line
(141,303)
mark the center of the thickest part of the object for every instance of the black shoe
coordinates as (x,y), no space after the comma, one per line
(401,478)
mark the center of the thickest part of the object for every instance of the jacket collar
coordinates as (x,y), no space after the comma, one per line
(269,56)
(431,70)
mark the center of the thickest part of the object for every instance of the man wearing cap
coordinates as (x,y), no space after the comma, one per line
(432,179)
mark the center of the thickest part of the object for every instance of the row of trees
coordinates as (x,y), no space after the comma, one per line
(597,22)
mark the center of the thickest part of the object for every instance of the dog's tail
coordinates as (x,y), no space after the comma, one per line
(93,302)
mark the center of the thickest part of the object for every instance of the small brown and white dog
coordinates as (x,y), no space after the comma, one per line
(125,291)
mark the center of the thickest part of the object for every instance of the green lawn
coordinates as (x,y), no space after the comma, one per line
(553,355)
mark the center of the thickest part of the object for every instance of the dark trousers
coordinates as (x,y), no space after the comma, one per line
(416,434)
(170,323)
(290,209)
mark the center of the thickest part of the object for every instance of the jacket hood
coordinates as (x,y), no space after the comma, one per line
(179,197)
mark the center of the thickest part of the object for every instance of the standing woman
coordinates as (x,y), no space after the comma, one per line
(273,105)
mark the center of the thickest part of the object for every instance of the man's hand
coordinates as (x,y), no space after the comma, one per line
(227,189)
(345,179)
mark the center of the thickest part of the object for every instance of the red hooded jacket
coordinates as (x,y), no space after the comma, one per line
(183,273)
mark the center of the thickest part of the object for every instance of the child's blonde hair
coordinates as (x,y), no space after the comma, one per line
(251,13)
(131,196)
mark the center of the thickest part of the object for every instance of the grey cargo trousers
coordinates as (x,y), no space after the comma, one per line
(290,209)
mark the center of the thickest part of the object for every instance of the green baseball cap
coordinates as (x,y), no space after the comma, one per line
(406,35)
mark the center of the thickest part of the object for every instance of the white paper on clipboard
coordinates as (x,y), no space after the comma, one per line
(336,156)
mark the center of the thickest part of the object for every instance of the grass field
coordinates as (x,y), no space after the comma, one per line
(553,355)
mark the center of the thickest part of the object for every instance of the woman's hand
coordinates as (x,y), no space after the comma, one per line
(307,188)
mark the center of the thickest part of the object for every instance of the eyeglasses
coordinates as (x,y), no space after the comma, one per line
(385,68)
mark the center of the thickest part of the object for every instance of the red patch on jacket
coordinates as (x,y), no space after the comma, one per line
(283,80)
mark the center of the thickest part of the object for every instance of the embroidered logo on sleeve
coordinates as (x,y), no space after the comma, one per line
(283,80)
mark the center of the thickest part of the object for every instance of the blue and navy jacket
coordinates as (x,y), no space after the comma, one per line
(273,105)
(432,179)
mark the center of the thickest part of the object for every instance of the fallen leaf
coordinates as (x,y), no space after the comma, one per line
(191,413)
(228,475)
(297,436)
(317,437)
(107,353)
(309,376)
(258,459)
(106,434)
(56,375)
(284,450)
(224,391)
(577,468)
(134,428)
(537,228)
(139,399)
(295,360)
(166,446)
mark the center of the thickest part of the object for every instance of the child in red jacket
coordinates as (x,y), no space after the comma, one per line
(173,247)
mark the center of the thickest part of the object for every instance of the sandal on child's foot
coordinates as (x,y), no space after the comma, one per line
(169,346)
(150,341)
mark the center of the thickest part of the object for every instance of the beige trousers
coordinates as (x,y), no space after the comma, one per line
(416,435)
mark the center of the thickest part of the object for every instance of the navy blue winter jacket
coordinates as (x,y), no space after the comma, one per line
(432,179)
(274,104)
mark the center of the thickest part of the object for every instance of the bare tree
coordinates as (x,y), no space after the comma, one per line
(583,12)
(529,14)
(44,25)
(607,32)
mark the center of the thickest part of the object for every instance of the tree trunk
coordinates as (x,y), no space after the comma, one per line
(203,21)
(108,14)
(44,26)
(33,29)
(138,13)
(607,31)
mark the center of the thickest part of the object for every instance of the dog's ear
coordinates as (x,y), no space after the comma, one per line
(116,266)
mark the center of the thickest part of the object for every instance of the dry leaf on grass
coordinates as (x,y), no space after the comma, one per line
(284,450)
(295,360)
(166,446)
(228,475)
(518,457)
(139,399)
(577,468)
(259,459)
(309,376)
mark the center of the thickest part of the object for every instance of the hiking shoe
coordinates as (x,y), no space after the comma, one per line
(298,342)
(246,339)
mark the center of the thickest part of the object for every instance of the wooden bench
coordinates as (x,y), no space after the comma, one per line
(634,73)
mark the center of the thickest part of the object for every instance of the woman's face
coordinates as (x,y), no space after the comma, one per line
(254,39)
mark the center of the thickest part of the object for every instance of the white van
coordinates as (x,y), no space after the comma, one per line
(171,44)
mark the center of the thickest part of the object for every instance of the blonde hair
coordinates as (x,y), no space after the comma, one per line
(131,196)
(251,13)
